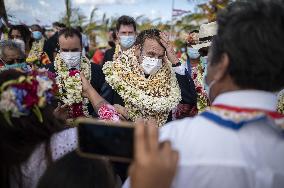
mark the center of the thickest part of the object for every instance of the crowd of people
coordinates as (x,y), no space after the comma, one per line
(209,117)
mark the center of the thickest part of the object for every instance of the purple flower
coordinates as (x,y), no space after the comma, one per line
(20,94)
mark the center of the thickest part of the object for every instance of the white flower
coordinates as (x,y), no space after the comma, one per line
(44,85)
(138,92)
(72,84)
(7,102)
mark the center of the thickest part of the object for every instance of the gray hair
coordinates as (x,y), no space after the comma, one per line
(10,45)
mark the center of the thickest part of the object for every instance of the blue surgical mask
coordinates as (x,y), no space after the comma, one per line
(204,63)
(193,53)
(127,41)
(15,66)
(37,35)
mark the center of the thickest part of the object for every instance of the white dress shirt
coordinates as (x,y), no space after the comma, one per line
(214,156)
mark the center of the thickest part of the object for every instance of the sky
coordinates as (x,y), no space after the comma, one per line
(45,12)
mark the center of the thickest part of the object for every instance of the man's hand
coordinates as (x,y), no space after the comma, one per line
(123,113)
(154,164)
(169,48)
(87,87)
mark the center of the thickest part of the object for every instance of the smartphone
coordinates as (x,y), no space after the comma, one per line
(108,140)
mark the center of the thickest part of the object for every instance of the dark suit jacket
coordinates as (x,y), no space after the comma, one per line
(51,46)
(186,84)
(109,55)
(97,80)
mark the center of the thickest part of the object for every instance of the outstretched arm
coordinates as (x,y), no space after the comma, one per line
(89,92)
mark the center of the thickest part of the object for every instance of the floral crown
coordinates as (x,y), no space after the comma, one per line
(26,94)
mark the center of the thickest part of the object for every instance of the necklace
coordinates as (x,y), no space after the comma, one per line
(152,97)
(70,86)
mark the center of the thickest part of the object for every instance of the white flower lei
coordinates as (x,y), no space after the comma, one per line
(72,85)
(153,97)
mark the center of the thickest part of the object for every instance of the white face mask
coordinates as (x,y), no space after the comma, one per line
(71,59)
(21,43)
(127,41)
(151,65)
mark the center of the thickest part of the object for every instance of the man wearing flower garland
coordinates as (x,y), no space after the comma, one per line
(126,34)
(148,80)
(37,57)
(68,63)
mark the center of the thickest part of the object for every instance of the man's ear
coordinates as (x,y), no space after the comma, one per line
(222,67)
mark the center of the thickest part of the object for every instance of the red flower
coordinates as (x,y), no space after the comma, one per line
(73,72)
(76,110)
(31,98)
(194,76)
(198,89)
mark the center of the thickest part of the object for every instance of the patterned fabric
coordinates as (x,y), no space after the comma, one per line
(183,111)
(236,118)
(280,105)
(202,98)
(60,144)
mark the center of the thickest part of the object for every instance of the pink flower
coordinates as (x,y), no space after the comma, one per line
(73,72)
(108,112)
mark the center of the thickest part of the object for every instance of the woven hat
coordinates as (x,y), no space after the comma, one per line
(206,32)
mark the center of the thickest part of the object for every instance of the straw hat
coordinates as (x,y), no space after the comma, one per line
(206,32)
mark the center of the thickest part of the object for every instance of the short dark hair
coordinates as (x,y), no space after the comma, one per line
(36,26)
(79,28)
(125,20)
(74,171)
(70,32)
(61,25)
(23,29)
(194,31)
(148,34)
(251,34)
(56,24)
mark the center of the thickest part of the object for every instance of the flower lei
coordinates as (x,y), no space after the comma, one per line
(37,56)
(202,98)
(108,112)
(117,51)
(27,93)
(280,105)
(70,86)
(152,97)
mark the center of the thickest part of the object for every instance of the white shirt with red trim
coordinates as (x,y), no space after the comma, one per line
(215,156)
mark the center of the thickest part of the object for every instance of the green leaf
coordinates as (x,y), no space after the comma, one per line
(38,114)
(7,118)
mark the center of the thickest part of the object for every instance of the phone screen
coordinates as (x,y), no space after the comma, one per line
(114,142)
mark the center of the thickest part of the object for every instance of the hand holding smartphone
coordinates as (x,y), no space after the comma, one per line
(102,139)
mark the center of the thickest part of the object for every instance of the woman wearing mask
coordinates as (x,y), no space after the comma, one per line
(21,35)
(12,57)
(37,57)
